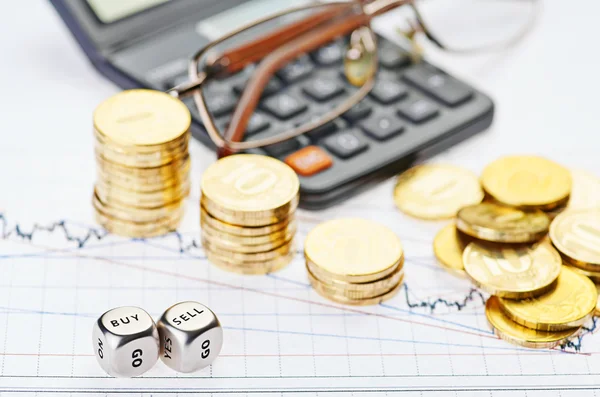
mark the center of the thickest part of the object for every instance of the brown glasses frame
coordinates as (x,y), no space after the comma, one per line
(286,44)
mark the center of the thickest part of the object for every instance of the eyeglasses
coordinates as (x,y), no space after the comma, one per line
(252,55)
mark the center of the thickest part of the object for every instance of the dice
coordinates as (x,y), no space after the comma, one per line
(126,341)
(190,336)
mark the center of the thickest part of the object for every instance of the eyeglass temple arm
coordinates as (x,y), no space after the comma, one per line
(236,59)
(284,54)
(232,61)
(273,62)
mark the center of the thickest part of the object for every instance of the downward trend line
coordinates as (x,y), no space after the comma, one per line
(92,234)
(268,293)
(98,234)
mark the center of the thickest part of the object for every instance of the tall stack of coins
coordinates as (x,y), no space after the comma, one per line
(143,165)
(248,213)
(354,261)
(541,288)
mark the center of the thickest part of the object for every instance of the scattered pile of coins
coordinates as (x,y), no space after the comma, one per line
(248,213)
(533,245)
(143,165)
(354,261)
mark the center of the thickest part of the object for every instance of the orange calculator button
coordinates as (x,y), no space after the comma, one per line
(309,160)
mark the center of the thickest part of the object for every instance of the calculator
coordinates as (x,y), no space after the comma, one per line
(414,110)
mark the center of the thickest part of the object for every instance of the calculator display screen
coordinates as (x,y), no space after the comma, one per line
(109,11)
(249,11)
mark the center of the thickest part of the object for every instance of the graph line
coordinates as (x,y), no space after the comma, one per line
(92,234)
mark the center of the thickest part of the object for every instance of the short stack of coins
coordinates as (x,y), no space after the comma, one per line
(248,210)
(354,261)
(143,165)
(528,245)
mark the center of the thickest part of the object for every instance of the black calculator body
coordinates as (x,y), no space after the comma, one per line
(414,111)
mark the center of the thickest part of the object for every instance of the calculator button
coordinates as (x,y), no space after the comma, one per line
(388,91)
(358,112)
(221,104)
(382,127)
(272,87)
(309,161)
(284,147)
(323,89)
(319,132)
(393,57)
(258,122)
(345,144)
(284,106)
(296,70)
(329,54)
(418,110)
(442,87)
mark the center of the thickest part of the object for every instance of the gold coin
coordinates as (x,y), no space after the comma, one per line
(248,219)
(492,222)
(433,191)
(250,268)
(586,191)
(133,214)
(153,160)
(576,234)
(285,234)
(136,229)
(157,177)
(164,171)
(508,330)
(527,182)
(238,246)
(594,276)
(359,290)
(111,193)
(597,311)
(133,150)
(241,257)
(250,190)
(514,273)
(448,247)
(552,214)
(352,250)
(317,286)
(142,118)
(569,305)
(142,185)
(246,231)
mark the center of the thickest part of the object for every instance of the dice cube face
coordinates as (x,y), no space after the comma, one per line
(125,341)
(191,337)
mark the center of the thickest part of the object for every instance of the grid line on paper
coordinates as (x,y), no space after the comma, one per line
(420,330)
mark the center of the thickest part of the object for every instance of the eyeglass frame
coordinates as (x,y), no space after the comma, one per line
(368,9)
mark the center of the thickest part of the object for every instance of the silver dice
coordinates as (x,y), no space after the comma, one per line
(126,341)
(190,336)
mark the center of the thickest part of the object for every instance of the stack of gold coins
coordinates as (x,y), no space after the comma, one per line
(540,287)
(143,165)
(528,183)
(354,261)
(248,213)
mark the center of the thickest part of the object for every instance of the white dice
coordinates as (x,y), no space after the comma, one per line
(126,341)
(191,336)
